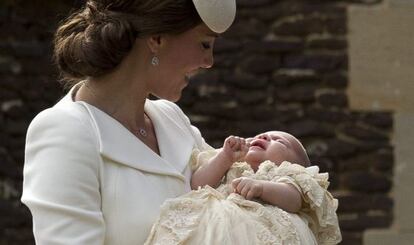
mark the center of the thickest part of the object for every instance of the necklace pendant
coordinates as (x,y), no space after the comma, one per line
(142,132)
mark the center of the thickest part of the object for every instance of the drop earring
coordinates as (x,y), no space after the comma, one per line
(155,61)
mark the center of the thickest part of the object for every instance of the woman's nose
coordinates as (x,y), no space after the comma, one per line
(208,61)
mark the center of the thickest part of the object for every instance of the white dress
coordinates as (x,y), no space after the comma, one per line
(218,216)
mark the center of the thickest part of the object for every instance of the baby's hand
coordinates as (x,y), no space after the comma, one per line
(248,188)
(235,148)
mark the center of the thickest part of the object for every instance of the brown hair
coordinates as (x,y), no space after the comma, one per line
(94,40)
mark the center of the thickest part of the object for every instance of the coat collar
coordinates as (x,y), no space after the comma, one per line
(119,144)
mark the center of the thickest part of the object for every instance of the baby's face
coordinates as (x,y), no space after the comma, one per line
(275,146)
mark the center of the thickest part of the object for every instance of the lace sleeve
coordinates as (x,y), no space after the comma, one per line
(199,158)
(319,206)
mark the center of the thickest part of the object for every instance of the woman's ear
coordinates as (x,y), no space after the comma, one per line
(154,43)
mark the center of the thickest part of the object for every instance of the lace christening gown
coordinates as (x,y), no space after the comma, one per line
(218,216)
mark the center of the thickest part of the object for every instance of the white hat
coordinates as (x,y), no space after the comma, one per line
(218,15)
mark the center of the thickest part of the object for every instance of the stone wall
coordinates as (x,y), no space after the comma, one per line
(282,65)
(380,75)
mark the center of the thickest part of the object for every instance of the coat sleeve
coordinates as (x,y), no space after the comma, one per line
(61,180)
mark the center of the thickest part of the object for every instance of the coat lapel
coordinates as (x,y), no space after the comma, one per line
(117,143)
(174,139)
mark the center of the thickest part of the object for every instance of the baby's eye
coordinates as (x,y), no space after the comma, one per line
(282,141)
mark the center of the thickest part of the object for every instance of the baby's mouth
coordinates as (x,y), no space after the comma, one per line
(258,143)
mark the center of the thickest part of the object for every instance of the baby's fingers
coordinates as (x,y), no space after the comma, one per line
(237,143)
(230,141)
(235,183)
(245,190)
(250,194)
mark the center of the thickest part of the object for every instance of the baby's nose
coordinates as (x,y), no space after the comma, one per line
(265,137)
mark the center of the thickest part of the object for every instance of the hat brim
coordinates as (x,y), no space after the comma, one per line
(218,15)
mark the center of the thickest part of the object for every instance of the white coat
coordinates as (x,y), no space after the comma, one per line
(88,180)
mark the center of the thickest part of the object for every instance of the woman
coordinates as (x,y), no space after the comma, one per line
(99,163)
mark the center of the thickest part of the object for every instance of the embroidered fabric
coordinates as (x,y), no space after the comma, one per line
(219,216)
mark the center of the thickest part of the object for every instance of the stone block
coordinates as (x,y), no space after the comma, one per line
(317,148)
(260,64)
(13,215)
(287,78)
(332,98)
(8,168)
(334,181)
(204,78)
(309,128)
(252,4)
(251,97)
(245,80)
(264,112)
(380,119)
(298,93)
(272,46)
(224,45)
(360,221)
(324,164)
(337,80)
(251,128)
(226,61)
(351,238)
(288,115)
(326,43)
(7,95)
(305,25)
(339,148)
(251,28)
(31,48)
(381,159)
(329,115)
(385,161)
(319,62)
(363,133)
(356,202)
(363,181)
(16,127)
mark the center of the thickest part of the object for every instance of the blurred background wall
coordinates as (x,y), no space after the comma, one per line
(334,73)
(381,55)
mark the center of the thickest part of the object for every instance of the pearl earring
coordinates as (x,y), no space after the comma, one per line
(155,61)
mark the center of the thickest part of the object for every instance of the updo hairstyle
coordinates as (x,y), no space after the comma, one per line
(94,40)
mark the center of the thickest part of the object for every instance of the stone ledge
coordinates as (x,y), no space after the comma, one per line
(388,237)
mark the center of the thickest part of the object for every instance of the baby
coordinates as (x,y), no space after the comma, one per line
(252,191)
(276,146)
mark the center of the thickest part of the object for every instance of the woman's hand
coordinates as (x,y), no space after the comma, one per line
(248,188)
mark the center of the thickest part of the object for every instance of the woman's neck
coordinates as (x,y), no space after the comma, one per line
(122,92)
(118,95)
